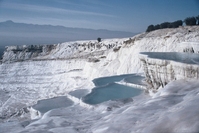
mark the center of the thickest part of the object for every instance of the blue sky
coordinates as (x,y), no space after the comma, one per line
(122,15)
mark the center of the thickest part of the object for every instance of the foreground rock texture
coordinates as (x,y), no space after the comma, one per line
(173,109)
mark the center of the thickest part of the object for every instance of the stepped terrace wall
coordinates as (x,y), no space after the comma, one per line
(161,68)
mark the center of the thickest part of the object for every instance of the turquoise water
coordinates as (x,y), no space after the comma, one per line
(45,105)
(107,89)
(106,80)
(189,58)
(79,93)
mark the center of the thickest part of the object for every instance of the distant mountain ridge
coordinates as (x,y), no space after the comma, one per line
(21,33)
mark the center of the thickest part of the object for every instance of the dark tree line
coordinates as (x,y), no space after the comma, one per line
(190,21)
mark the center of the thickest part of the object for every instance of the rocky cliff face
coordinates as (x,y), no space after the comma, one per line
(69,50)
(160,68)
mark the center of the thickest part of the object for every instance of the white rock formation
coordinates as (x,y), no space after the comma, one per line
(160,68)
(29,74)
(126,60)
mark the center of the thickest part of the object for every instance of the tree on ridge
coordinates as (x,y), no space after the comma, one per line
(190,21)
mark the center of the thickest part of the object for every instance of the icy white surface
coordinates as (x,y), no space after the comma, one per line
(24,83)
(64,68)
(173,109)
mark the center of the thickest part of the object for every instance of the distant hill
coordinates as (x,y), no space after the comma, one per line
(12,33)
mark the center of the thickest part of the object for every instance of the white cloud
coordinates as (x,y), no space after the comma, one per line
(45,9)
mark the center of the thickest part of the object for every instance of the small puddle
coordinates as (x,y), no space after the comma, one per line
(45,105)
